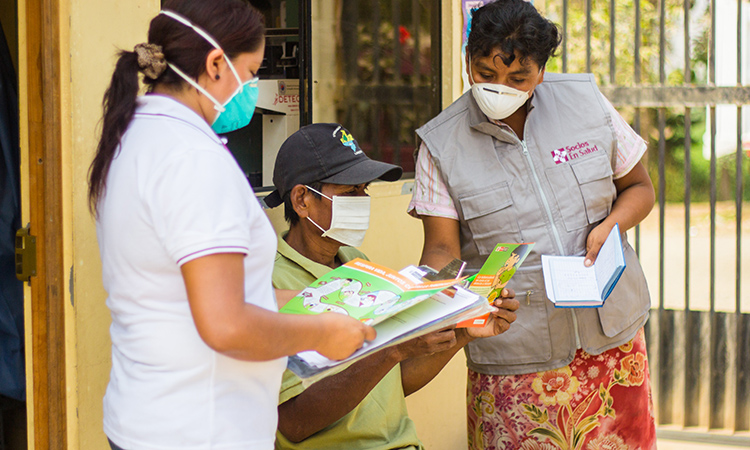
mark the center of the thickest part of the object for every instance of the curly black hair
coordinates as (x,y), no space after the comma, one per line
(515,28)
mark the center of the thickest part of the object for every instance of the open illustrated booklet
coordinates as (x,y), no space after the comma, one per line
(570,284)
(399,305)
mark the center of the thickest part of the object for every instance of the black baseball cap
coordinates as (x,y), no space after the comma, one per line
(326,153)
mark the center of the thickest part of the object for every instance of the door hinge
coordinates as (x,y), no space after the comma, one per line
(25,254)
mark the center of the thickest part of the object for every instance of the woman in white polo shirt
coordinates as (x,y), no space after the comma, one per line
(187,253)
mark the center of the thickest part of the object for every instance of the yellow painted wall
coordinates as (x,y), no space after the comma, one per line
(324,59)
(96,30)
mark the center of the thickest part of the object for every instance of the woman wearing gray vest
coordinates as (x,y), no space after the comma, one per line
(529,156)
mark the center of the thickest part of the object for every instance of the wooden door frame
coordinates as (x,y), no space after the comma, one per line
(44,92)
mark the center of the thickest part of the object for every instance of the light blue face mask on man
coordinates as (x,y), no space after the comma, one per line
(238,110)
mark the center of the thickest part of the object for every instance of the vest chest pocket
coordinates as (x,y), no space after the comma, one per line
(584,191)
(491,217)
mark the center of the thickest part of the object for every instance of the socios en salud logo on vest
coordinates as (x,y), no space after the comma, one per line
(571,152)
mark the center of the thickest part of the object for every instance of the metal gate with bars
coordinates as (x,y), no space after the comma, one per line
(699,341)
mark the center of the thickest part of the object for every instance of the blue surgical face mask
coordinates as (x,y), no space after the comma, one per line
(238,110)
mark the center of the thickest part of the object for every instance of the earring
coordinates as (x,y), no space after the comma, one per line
(217,76)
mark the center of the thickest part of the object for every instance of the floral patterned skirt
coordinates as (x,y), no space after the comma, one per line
(597,402)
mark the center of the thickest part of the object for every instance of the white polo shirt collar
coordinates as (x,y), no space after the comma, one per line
(163,106)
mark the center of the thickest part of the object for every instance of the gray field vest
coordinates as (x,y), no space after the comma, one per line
(552,188)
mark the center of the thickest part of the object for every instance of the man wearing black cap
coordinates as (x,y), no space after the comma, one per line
(321,175)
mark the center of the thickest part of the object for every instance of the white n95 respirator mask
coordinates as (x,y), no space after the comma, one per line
(350,218)
(497,101)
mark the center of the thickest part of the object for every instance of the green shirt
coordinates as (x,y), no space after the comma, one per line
(380,421)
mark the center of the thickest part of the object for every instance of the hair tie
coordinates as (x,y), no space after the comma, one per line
(151,60)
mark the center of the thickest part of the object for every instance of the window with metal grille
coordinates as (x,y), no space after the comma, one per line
(376,70)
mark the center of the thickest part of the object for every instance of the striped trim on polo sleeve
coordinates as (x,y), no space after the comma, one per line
(212,251)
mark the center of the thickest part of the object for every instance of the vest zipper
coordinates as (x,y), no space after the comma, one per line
(552,224)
